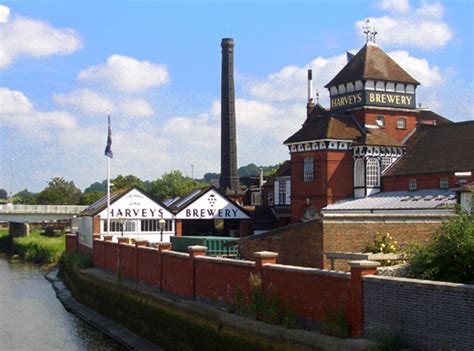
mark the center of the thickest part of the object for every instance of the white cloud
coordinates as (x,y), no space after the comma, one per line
(400,6)
(420,69)
(29,37)
(422,27)
(4,13)
(17,112)
(126,74)
(91,103)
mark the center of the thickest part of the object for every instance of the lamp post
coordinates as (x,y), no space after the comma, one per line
(162,224)
(121,222)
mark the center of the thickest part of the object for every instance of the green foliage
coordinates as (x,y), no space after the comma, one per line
(25,197)
(450,256)
(97,187)
(335,324)
(37,248)
(60,192)
(382,244)
(387,342)
(91,197)
(125,182)
(173,184)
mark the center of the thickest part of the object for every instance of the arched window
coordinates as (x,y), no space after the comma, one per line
(359,172)
(373,173)
(308,169)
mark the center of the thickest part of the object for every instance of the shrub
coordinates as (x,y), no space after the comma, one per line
(382,244)
(450,256)
(335,323)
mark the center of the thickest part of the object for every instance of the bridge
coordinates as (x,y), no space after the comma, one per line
(37,213)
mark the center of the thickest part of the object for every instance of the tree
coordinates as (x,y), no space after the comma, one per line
(125,182)
(89,198)
(25,197)
(60,192)
(172,184)
(3,194)
(97,187)
(450,256)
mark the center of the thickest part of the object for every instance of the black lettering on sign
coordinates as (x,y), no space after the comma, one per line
(160,211)
(144,212)
(188,212)
(211,212)
(128,213)
(195,213)
(152,211)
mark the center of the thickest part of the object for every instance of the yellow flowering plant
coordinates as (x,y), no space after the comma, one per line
(382,244)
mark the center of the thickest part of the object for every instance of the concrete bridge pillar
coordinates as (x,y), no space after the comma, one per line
(18,229)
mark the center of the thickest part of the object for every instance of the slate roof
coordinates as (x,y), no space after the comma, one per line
(371,62)
(398,200)
(327,127)
(377,136)
(430,116)
(434,149)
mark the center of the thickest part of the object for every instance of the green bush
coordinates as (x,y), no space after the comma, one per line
(450,256)
(335,323)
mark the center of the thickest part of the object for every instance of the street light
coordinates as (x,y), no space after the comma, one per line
(162,224)
(121,222)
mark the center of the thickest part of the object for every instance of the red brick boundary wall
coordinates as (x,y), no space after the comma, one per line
(314,294)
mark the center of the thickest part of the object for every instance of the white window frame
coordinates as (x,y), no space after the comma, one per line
(444,183)
(401,123)
(308,169)
(380,121)
(412,184)
(372,171)
(359,173)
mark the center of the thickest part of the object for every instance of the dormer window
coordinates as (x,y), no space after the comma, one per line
(412,186)
(358,85)
(333,91)
(380,86)
(341,89)
(350,87)
(401,123)
(390,87)
(410,89)
(370,85)
(400,88)
(380,121)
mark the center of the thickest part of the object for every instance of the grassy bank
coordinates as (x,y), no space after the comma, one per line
(34,248)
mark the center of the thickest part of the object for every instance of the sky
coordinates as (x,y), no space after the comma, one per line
(155,66)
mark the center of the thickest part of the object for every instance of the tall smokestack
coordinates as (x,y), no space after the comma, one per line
(229,178)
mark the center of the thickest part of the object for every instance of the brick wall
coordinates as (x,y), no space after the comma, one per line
(71,243)
(423,181)
(149,262)
(304,238)
(353,236)
(425,315)
(177,274)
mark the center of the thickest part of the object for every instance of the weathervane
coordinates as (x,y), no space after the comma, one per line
(369,31)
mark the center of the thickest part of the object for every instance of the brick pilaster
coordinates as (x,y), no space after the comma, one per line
(195,251)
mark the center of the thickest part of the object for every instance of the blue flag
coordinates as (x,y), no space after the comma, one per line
(108,148)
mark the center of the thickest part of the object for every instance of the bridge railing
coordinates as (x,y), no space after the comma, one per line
(43,209)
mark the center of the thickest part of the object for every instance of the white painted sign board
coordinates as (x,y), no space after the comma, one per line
(136,205)
(212,205)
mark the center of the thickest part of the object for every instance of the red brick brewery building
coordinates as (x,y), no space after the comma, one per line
(373,138)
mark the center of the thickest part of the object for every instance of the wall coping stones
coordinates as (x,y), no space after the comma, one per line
(423,283)
(175,253)
(363,264)
(265,254)
(230,261)
(308,270)
(195,248)
(147,248)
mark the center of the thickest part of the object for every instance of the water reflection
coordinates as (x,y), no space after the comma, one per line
(31,318)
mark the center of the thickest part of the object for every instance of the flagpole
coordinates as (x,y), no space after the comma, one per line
(108,195)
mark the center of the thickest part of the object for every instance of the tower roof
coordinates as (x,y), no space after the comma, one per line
(371,62)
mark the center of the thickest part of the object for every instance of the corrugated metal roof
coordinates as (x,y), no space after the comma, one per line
(398,200)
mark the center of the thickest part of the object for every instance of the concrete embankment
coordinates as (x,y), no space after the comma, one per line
(177,324)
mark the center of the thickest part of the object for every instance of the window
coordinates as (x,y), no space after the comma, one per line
(400,88)
(380,86)
(412,185)
(390,87)
(359,172)
(282,191)
(333,91)
(114,225)
(401,123)
(380,121)
(410,89)
(153,225)
(350,87)
(308,169)
(358,85)
(270,199)
(443,183)
(130,226)
(386,161)
(342,89)
(370,85)
(255,198)
(373,173)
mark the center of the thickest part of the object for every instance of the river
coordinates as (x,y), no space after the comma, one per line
(32,318)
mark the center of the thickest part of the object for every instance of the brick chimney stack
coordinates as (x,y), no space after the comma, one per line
(229,179)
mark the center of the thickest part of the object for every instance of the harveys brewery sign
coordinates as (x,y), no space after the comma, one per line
(136,205)
(373,98)
(212,205)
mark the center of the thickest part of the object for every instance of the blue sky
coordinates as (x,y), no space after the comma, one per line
(156,66)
